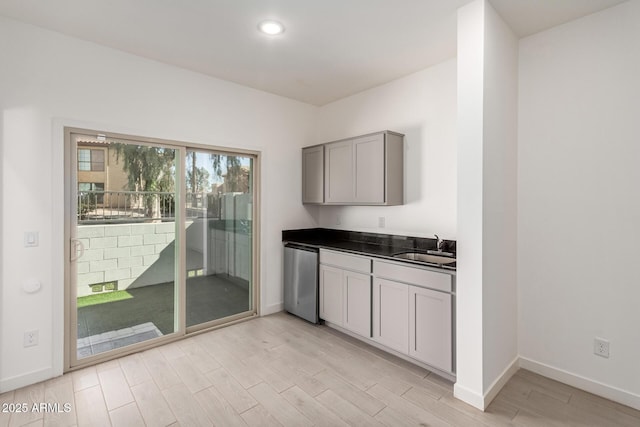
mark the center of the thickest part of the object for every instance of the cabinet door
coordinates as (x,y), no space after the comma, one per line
(339,174)
(313,175)
(430,327)
(357,303)
(391,314)
(368,152)
(331,294)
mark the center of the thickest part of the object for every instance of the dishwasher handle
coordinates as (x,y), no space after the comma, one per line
(302,247)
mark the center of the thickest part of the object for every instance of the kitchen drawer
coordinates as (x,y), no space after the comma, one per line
(346,261)
(412,275)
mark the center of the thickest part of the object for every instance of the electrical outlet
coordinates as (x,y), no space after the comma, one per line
(381,221)
(31,338)
(338,220)
(601,347)
(31,239)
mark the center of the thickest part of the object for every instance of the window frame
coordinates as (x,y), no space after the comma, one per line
(93,165)
(70,360)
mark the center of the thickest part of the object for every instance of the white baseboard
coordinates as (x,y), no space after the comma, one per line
(444,374)
(502,379)
(468,396)
(609,392)
(482,401)
(623,397)
(19,381)
(270,309)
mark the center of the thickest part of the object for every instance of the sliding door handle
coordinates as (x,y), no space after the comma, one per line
(77,250)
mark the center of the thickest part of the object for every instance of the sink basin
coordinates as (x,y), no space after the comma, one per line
(431,259)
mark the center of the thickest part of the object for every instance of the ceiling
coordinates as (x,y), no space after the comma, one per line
(330,48)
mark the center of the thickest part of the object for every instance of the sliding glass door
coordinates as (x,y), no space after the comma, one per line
(219,210)
(160,242)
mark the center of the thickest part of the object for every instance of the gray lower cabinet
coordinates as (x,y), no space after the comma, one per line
(357,303)
(331,295)
(430,334)
(345,291)
(365,170)
(412,312)
(391,314)
(401,307)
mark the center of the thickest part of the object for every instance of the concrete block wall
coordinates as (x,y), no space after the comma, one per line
(124,252)
(137,255)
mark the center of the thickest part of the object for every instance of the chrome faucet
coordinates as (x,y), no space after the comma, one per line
(439,243)
(440,246)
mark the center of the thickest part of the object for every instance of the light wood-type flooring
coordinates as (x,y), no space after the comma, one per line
(279,370)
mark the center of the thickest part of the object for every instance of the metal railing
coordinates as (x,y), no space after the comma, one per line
(104,207)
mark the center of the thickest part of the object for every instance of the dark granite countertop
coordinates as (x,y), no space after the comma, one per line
(372,244)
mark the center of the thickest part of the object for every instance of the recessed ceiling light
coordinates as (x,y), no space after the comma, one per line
(272,28)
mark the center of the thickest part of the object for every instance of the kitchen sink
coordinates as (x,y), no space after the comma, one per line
(428,258)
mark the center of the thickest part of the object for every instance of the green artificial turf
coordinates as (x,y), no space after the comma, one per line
(208,298)
(103,298)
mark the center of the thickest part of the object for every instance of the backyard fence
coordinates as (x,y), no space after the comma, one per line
(126,245)
(107,207)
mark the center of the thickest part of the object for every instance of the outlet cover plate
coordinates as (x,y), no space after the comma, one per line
(601,347)
(30,338)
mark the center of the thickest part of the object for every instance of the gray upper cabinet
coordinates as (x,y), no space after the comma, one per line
(369,169)
(313,174)
(338,172)
(365,170)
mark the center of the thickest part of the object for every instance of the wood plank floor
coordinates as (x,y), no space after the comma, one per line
(281,371)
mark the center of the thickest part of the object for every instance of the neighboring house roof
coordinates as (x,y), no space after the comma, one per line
(93,142)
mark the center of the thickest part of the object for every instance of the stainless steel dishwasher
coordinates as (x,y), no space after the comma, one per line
(301,281)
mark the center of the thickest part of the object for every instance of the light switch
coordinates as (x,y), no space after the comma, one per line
(31,286)
(30,239)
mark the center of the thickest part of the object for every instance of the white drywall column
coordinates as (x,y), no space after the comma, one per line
(487,210)
(469,353)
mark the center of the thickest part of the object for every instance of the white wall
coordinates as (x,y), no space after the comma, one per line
(487,352)
(1,232)
(579,203)
(423,107)
(47,80)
